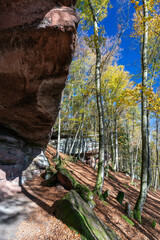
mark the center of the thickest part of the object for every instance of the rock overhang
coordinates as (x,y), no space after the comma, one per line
(37,42)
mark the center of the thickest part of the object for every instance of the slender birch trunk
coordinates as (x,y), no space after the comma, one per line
(59,129)
(66,145)
(84,149)
(157,154)
(144,171)
(135,169)
(81,139)
(95,137)
(149,150)
(100,174)
(128,162)
(75,139)
(132,157)
(107,156)
(116,146)
(112,145)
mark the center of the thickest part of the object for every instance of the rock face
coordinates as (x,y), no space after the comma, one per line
(37,41)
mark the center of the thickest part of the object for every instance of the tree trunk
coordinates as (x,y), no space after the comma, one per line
(81,139)
(100,174)
(59,129)
(149,150)
(116,146)
(144,171)
(157,153)
(95,137)
(112,145)
(107,156)
(136,158)
(128,162)
(132,155)
(75,139)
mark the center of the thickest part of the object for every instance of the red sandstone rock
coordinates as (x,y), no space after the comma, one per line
(37,41)
(64,181)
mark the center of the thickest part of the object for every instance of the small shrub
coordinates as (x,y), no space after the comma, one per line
(111,176)
(105,203)
(70,158)
(101,197)
(105,194)
(111,168)
(74,159)
(153,223)
(49,171)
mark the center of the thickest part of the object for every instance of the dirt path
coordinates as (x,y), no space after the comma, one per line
(29,215)
(13,211)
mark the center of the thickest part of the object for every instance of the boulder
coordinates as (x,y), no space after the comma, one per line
(37,42)
(51,181)
(41,161)
(86,194)
(65,178)
(120,197)
(69,182)
(128,210)
(38,165)
(76,214)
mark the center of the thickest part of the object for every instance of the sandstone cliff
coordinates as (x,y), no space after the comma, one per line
(37,41)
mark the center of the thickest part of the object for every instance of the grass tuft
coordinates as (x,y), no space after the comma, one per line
(127,220)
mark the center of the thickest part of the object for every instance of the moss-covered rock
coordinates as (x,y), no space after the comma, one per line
(76,214)
(65,178)
(86,194)
(120,197)
(128,210)
(69,182)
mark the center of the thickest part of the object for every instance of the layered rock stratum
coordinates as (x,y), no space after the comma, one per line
(37,42)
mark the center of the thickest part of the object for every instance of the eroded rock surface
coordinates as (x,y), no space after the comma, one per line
(37,41)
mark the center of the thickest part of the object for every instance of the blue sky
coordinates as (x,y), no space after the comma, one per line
(130,56)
